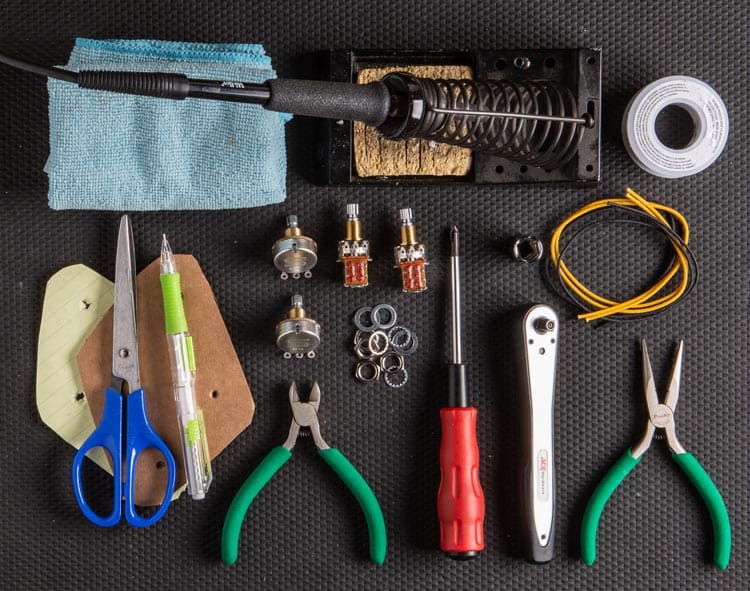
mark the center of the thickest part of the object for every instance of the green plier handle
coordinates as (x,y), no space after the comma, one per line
(695,473)
(271,464)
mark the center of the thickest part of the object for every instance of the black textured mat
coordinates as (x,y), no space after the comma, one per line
(305,530)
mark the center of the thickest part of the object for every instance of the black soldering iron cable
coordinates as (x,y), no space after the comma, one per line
(57,73)
(369,103)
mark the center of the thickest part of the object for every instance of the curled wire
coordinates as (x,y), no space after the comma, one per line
(682,266)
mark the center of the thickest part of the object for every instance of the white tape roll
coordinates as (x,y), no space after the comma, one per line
(710,122)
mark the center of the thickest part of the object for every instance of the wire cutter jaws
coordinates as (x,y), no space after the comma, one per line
(305,414)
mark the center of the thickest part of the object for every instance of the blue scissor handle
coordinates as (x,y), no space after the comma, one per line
(141,436)
(108,435)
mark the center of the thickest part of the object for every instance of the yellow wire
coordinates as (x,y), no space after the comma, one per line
(649,300)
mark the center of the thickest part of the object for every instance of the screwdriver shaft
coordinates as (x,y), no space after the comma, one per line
(460,496)
(455,297)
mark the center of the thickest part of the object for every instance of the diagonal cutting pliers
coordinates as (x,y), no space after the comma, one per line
(305,414)
(660,416)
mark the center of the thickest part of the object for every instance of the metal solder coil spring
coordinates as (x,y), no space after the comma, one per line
(546,144)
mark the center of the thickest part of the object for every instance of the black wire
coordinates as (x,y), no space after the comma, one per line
(50,72)
(669,231)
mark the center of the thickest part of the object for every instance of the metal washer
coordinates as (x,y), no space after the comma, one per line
(391,378)
(406,348)
(358,371)
(375,316)
(358,319)
(373,340)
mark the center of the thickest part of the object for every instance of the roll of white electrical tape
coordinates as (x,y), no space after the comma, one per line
(710,122)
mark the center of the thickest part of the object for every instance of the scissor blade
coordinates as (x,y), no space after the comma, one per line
(124,332)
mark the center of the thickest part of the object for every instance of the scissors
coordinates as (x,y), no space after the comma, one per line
(124,445)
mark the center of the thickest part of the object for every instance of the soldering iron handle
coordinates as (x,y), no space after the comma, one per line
(460,496)
(369,103)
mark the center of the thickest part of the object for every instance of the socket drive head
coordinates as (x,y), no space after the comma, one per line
(352,211)
(297,301)
(405,215)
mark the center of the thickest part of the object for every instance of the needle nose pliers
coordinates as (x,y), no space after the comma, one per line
(305,415)
(660,416)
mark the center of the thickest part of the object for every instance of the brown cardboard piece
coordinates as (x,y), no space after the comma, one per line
(221,388)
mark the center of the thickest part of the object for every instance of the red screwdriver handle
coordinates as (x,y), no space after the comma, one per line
(460,496)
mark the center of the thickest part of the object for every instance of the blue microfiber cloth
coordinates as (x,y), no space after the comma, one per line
(119,152)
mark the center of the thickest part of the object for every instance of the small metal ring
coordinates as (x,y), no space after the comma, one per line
(390,368)
(359,336)
(394,336)
(308,274)
(527,249)
(359,371)
(409,348)
(295,275)
(311,354)
(362,350)
(359,316)
(284,276)
(299,355)
(287,355)
(372,342)
(396,379)
(375,315)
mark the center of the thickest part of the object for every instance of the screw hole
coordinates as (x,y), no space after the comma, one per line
(124,353)
(499,169)
(215,394)
(500,64)
(552,341)
(590,60)
(549,62)
(160,465)
(524,168)
(531,341)
(80,396)
(544,536)
(589,168)
(542,351)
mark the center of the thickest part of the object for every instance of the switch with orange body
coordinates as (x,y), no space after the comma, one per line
(354,252)
(409,255)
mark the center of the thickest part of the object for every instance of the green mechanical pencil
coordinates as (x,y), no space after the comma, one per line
(182,358)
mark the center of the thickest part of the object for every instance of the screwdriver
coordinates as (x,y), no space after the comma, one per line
(460,496)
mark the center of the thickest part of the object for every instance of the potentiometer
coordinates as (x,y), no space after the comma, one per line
(298,334)
(409,255)
(354,252)
(294,254)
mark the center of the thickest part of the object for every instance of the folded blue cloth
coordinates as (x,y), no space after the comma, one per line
(119,152)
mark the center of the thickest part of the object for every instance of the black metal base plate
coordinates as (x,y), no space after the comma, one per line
(580,69)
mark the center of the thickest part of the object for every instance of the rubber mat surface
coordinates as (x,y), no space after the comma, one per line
(305,530)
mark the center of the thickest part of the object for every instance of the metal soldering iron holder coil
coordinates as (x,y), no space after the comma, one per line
(575,73)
